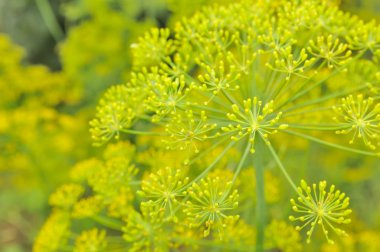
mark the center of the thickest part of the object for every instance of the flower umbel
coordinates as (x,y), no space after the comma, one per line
(187,130)
(209,199)
(164,187)
(66,196)
(145,231)
(254,119)
(93,240)
(331,50)
(360,116)
(318,206)
(115,113)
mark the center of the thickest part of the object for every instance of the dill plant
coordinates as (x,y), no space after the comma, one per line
(212,100)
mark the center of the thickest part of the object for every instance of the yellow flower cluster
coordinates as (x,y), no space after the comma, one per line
(317,206)
(213,106)
(243,72)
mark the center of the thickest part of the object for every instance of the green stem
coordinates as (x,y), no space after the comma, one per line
(306,111)
(108,222)
(241,163)
(208,169)
(144,133)
(208,108)
(65,248)
(207,151)
(204,173)
(327,127)
(282,168)
(210,244)
(260,195)
(135,183)
(317,140)
(305,88)
(51,22)
(238,169)
(231,99)
(324,98)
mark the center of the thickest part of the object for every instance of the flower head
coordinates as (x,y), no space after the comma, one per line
(289,63)
(114,177)
(361,117)
(87,207)
(252,120)
(365,36)
(145,231)
(54,233)
(318,206)
(93,240)
(115,113)
(66,196)
(331,50)
(283,236)
(152,48)
(164,187)
(186,130)
(209,200)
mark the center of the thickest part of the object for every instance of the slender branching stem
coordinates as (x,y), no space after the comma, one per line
(282,167)
(260,194)
(50,20)
(341,147)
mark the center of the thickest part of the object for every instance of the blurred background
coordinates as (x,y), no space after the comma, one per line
(56,58)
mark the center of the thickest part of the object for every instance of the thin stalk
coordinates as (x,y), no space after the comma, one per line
(65,248)
(208,169)
(315,127)
(110,223)
(260,196)
(238,168)
(144,133)
(230,98)
(307,111)
(282,168)
(241,163)
(50,20)
(204,173)
(302,91)
(341,147)
(211,244)
(207,151)
(324,98)
(273,82)
(208,108)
